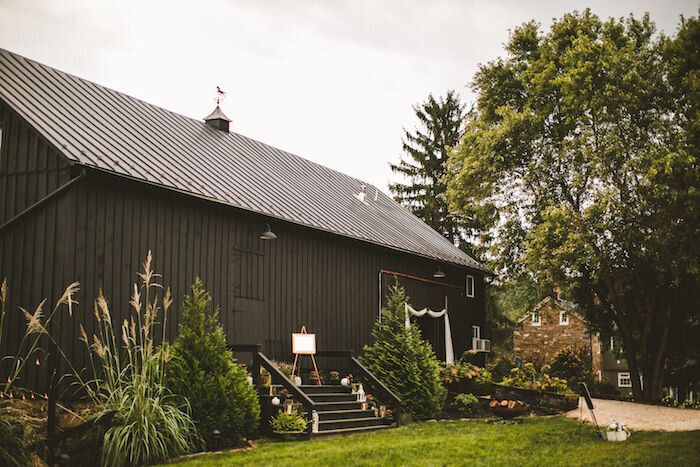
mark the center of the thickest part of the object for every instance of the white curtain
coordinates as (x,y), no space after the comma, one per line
(449,351)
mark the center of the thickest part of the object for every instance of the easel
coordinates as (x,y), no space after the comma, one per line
(304,344)
(589,402)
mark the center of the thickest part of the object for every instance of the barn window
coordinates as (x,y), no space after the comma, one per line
(536,318)
(476,332)
(624,380)
(563,318)
(470,286)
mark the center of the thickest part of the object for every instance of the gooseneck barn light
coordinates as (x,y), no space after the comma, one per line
(268,234)
(439,274)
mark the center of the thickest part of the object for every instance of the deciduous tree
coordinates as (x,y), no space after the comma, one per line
(584,142)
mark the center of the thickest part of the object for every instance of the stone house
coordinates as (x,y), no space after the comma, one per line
(553,325)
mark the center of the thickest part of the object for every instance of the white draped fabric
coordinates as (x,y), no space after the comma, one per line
(449,351)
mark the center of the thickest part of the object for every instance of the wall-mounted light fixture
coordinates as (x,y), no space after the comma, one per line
(439,274)
(268,234)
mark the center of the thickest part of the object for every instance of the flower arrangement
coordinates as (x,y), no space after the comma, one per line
(371,402)
(284,394)
(334,377)
(527,377)
(264,377)
(314,377)
(464,371)
(617,431)
(617,425)
(689,404)
(388,414)
(284,367)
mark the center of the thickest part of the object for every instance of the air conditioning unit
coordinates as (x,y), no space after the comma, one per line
(481,345)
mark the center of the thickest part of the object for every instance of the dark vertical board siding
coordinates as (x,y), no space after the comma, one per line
(265,289)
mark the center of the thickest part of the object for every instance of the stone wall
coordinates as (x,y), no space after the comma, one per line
(539,344)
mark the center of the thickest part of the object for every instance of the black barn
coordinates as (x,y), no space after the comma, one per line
(91,179)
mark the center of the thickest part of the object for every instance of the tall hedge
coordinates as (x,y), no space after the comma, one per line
(404,361)
(204,371)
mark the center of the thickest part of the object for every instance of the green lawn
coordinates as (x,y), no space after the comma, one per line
(535,441)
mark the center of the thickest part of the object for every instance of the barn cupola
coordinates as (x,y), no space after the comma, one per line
(218,120)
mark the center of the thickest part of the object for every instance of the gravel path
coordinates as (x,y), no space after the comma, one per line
(640,417)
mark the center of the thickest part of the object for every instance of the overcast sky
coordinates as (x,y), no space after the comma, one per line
(332,81)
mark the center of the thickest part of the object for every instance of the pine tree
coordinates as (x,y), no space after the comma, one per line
(203,370)
(441,128)
(403,361)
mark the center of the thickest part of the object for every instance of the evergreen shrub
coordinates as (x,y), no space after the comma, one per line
(403,361)
(203,370)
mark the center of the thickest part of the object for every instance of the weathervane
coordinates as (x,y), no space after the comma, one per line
(220,95)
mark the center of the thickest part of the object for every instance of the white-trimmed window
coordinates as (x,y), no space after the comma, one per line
(624,380)
(469,286)
(536,318)
(476,332)
(563,318)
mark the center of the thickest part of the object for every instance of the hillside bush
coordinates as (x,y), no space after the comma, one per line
(203,370)
(466,403)
(403,361)
(464,371)
(286,422)
(572,365)
(528,377)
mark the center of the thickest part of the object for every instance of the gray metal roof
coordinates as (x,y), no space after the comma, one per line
(100,128)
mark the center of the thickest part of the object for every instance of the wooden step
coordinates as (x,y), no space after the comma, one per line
(350,431)
(324,397)
(326,425)
(339,414)
(332,406)
(325,389)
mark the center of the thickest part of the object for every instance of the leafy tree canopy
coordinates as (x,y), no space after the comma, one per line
(582,157)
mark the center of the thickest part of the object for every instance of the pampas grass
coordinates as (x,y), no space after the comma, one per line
(150,423)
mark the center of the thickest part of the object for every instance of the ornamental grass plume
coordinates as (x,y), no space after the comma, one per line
(36,327)
(150,423)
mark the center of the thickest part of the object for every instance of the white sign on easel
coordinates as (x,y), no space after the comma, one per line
(304,343)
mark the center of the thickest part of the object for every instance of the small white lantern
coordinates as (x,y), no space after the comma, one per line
(250,379)
(275,400)
(344,382)
(297,380)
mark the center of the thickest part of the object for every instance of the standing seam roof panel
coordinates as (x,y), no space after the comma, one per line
(127,136)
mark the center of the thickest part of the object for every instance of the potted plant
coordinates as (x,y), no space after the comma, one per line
(314,377)
(617,431)
(334,377)
(388,418)
(369,402)
(264,377)
(288,426)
